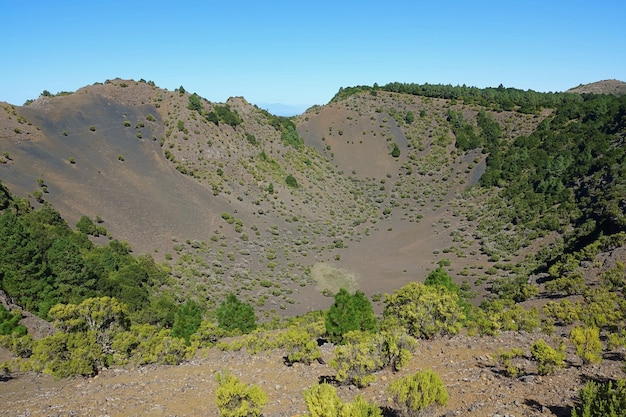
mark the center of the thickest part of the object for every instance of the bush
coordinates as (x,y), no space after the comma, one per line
(86,225)
(414,394)
(364,354)
(301,346)
(586,340)
(505,359)
(236,399)
(10,322)
(606,399)
(548,359)
(322,401)
(423,311)
(291,181)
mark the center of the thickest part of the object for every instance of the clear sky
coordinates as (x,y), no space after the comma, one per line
(300,53)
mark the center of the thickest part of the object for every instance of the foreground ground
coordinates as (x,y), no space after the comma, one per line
(466,364)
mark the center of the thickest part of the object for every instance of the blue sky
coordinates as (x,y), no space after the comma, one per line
(300,53)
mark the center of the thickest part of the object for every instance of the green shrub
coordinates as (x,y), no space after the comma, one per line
(301,347)
(607,399)
(236,399)
(322,401)
(587,342)
(414,394)
(505,359)
(423,311)
(548,359)
(86,225)
(10,322)
(364,353)
(291,181)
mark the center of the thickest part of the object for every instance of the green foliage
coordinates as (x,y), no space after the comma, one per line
(225,114)
(287,128)
(301,346)
(10,322)
(548,358)
(364,353)
(102,317)
(66,354)
(291,181)
(587,342)
(506,360)
(322,401)
(86,225)
(573,284)
(349,312)
(145,343)
(236,399)
(233,314)
(20,345)
(564,312)
(569,172)
(466,137)
(423,310)
(44,262)
(187,321)
(602,399)
(503,315)
(395,152)
(195,103)
(415,394)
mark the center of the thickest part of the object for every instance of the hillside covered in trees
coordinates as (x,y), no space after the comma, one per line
(393,217)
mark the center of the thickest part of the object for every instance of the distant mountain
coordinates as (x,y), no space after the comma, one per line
(615,87)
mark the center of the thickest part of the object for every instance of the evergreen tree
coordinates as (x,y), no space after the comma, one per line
(234,314)
(187,321)
(349,312)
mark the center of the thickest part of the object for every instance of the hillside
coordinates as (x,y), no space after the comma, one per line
(507,205)
(601,87)
(161,177)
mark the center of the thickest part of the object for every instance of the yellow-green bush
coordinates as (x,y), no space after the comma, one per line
(548,358)
(587,342)
(236,399)
(322,401)
(415,393)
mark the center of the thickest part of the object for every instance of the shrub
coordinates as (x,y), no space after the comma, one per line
(423,311)
(395,152)
(86,225)
(291,181)
(548,359)
(236,399)
(322,401)
(301,346)
(602,399)
(505,359)
(364,354)
(356,363)
(586,340)
(413,394)
(9,322)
